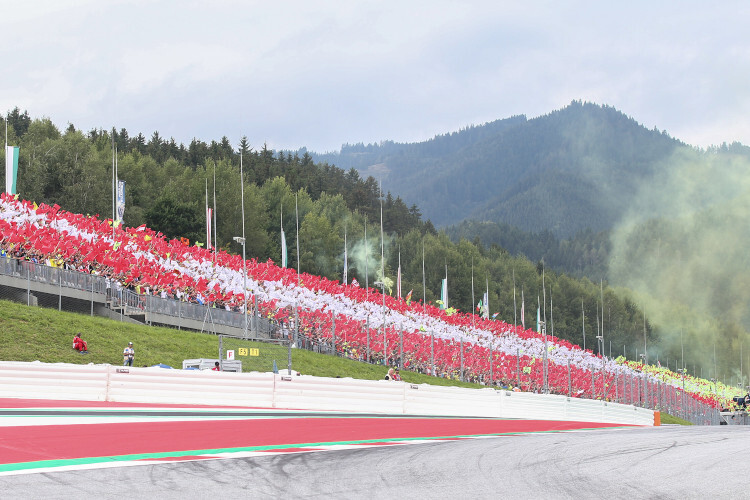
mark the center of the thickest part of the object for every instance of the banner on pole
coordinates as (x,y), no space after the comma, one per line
(120,201)
(11,169)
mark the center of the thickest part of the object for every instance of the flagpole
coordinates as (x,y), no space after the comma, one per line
(346,264)
(283,243)
(114,202)
(244,262)
(601,284)
(424,286)
(445,305)
(515,318)
(472,292)
(382,242)
(645,350)
(208,221)
(583,325)
(551,317)
(382,271)
(544,329)
(398,278)
(486,304)
(214,216)
(296,214)
(367,255)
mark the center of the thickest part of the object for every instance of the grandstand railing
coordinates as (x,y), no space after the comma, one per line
(627,389)
(126,301)
(40,273)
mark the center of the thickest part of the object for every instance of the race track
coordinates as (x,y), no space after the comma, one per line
(623,462)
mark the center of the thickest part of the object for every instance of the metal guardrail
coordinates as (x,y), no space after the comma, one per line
(40,273)
(127,301)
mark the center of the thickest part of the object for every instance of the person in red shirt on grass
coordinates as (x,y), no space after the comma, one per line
(80,345)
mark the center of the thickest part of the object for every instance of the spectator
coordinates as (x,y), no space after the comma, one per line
(397,375)
(128,354)
(217,367)
(390,374)
(80,345)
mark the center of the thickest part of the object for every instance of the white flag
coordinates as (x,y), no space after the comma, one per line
(120,202)
(11,169)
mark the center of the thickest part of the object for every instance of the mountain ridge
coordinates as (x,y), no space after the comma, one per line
(569,170)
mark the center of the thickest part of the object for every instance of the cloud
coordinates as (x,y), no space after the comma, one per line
(319,73)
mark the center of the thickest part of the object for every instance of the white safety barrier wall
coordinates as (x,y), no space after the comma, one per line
(62,381)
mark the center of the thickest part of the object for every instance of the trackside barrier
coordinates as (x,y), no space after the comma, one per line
(53,381)
(320,393)
(159,385)
(451,401)
(62,381)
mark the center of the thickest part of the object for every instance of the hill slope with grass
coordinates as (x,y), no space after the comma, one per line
(46,335)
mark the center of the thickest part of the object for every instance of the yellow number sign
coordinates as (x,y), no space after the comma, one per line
(244,351)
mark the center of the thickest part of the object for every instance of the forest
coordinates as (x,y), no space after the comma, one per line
(168,186)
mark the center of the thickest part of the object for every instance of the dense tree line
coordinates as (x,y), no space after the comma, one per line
(166,186)
(585,254)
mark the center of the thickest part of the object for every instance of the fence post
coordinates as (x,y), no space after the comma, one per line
(640,398)
(333,333)
(461,373)
(221,349)
(179,314)
(593,386)
(367,329)
(296,324)
(518,368)
(401,348)
(432,354)
(289,356)
(28,286)
(570,382)
(385,347)
(256,315)
(632,395)
(59,290)
(492,373)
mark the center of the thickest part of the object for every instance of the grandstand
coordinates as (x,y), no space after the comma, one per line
(154,273)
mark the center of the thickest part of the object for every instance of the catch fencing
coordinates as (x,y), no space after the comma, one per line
(258,355)
(67,289)
(500,370)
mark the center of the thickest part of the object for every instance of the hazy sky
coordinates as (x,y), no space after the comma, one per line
(319,74)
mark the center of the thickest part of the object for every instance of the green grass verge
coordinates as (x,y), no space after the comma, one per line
(36,333)
(666,418)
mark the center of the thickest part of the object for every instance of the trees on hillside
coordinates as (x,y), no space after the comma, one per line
(167,185)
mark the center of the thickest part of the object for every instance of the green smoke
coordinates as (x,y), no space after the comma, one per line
(684,248)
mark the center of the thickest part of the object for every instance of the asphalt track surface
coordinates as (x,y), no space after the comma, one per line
(663,462)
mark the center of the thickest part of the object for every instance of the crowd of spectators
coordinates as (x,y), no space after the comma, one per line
(414,336)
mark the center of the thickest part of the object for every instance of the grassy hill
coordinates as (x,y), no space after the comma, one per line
(32,333)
